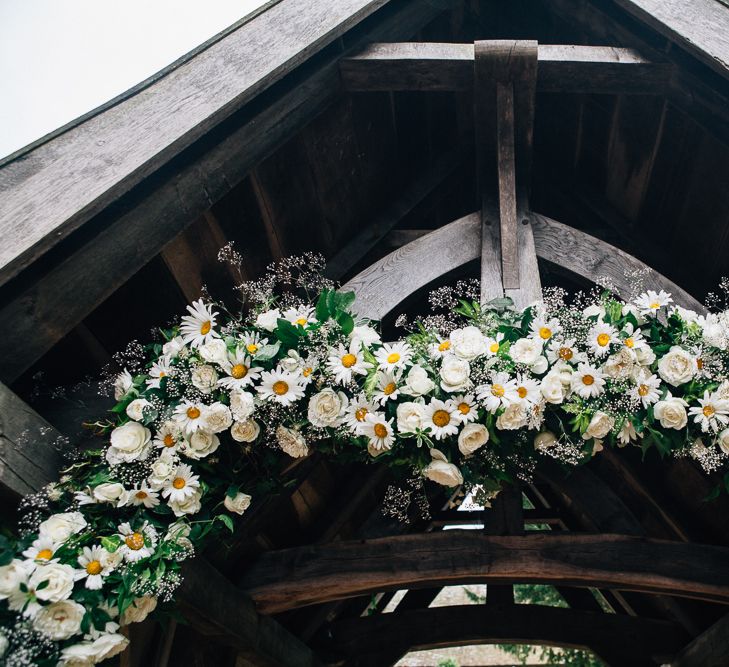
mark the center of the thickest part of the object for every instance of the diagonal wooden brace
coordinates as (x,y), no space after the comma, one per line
(504,90)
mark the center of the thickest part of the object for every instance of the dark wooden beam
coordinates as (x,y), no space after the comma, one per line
(562,68)
(402,631)
(709,649)
(309,575)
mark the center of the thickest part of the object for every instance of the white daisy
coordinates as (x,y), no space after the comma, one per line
(299,316)
(197,328)
(440,349)
(600,337)
(527,390)
(169,436)
(388,388)
(95,564)
(712,414)
(281,386)
(253,342)
(545,329)
(646,389)
(500,392)
(650,302)
(633,338)
(42,550)
(357,411)
(392,356)
(241,372)
(565,350)
(143,495)
(343,363)
(493,344)
(181,484)
(136,544)
(466,408)
(379,431)
(159,369)
(439,418)
(588,381)
(188,416)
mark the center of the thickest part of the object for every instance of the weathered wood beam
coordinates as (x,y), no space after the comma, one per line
(709,649)
(445,66)
(309,575)
(442,627)
(124,237)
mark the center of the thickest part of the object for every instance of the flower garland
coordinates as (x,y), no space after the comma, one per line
(212,413)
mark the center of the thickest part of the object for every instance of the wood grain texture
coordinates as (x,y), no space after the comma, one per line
(28,455)
(131,237)
(709,649)
(62,184)
(446,66)
(308,575)
(505,159)
(442,627)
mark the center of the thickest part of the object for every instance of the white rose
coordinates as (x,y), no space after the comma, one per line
(109,645)
(59,620)
(327,408)
(190,505)
(409,417)
(454,373)
(677,366)
(204,378)
(4,643)
(201,444)
(135,410)
(11,576)
(238,503)
(111,492)
(59,527)
(472,437)
(364,335)
(686,314)
(442,472)
(292,362)
(82,654)
(526,351)
(122,384)
(645,356)
(619,365)
(513,417)
(417,382)
(600,425)
(594,311)
(140,608)
(468,343)
(292,442)
(713,332)
(129,442)
(162,468)
(60,580)
(671,412)
(217,418)
(214,352)
(269,319)
(245,431)
(552,388)
(723,441)
(722,391)
(544,440)
(242,404)
(172,347)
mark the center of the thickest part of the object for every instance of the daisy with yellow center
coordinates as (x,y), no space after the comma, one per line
(441,348)
(169,436)
(356,413)
(500,392)
(600,337)
(281,386)
(42,550)
(632,338)
(439,418)
(466,409)
(712,413)
(378,429)
(252,343)
(143,495)
(650,302)
(198,327)
(527,390)
(545,329)
(387,388)
(188,416)
(393,356)
(137,543)
(301,317)
(493,345)
(241,372)
(181,484)
(96,564)
(159,370)
(646,389)
(344,363)
(588,381)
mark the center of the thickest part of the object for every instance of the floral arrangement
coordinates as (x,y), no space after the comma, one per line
(207,417)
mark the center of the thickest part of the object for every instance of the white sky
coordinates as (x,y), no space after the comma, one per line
(62,58)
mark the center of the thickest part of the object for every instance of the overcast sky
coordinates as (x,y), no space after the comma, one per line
(61,58)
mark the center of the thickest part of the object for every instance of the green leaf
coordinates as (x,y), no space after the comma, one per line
(232,491)
(322,310)
(268,352)
(111,544)
(346,321)
(287,333)
(227,521)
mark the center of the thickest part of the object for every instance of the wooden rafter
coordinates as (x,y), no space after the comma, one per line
(308,575)
(709,649)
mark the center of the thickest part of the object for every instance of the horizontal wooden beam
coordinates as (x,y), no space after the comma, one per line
(446,66)
(442,627)
(313,574)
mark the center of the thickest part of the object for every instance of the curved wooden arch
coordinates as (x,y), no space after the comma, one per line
(642,640)
(387,282)
(302,576)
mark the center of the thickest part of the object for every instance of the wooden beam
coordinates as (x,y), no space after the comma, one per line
(709,649)
(124,237)
(309,575)
(446,66)
(442,627)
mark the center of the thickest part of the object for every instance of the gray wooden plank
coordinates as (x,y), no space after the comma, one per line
(447,66)
(62,184)
(505,156)
(530,288)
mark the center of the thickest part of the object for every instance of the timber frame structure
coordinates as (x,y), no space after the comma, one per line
(411,142)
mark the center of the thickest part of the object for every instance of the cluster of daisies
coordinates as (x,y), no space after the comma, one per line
(225,402)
